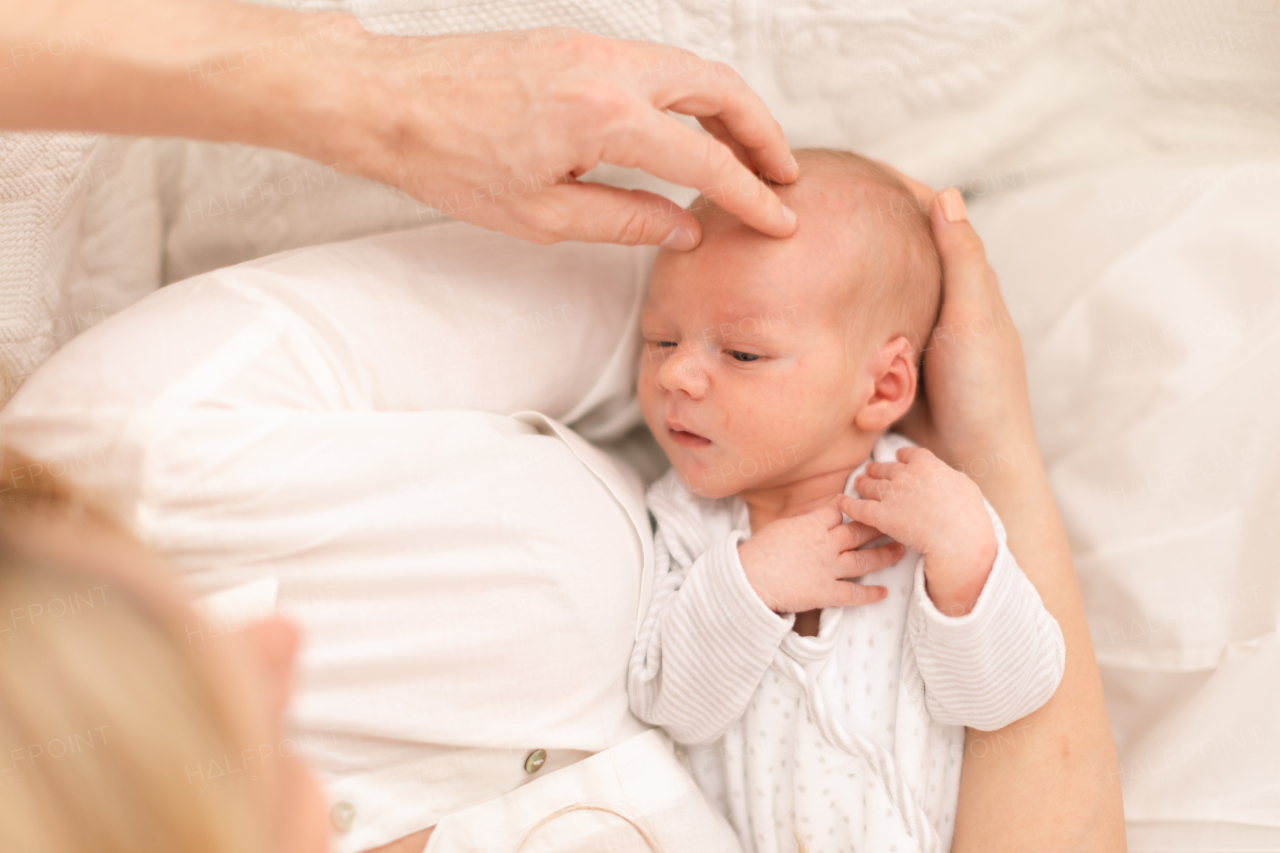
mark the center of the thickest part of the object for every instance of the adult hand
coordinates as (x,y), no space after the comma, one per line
(974,407)
(491,128)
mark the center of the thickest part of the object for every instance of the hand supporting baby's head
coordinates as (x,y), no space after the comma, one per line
(771,361)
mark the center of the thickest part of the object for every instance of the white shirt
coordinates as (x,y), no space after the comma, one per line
(347,421)
(852,739)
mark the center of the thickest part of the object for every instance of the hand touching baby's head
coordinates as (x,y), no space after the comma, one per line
(769,361)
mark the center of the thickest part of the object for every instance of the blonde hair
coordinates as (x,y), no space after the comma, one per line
(104,704)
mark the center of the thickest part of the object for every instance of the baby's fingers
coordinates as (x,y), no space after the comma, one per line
(855,564)
(885,470)
(852,535)
(850,594)
(870,512)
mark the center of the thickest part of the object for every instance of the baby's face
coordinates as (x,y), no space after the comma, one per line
(748,378)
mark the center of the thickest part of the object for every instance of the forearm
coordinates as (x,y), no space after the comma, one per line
(1049,781)
(703,648)
(995,664)
(202,69)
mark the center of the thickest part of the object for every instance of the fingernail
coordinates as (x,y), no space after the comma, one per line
(679,238)
(795,166)
(788,215)
(952,204)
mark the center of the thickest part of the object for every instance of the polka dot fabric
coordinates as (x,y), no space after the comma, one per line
(849,740)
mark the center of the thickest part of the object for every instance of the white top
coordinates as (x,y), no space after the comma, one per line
(852,739)
(346,420)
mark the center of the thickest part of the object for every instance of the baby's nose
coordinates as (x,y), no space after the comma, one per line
(682,371)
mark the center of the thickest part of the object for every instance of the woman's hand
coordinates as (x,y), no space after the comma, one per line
(490,128)
(974,412)
(1058,763)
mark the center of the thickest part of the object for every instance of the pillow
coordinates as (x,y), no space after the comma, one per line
(1146,298)
(449,317)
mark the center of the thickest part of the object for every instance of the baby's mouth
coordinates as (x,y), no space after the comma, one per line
(684,438)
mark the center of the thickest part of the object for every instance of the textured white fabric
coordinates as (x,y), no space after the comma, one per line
(848,740)
(80,236)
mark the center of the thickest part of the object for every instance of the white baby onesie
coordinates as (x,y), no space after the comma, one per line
(848,741)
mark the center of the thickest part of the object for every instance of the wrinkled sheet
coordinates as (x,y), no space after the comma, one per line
(1148,300)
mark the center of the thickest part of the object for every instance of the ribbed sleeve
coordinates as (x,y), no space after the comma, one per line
(997,663)
(704,646)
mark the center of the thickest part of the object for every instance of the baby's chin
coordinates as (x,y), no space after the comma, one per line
(708,482)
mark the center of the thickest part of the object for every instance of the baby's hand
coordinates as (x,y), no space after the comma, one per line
(797,564)
(936,510)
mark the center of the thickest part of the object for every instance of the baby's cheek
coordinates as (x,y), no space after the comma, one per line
(646,387)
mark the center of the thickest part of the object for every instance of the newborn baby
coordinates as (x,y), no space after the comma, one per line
(821,687)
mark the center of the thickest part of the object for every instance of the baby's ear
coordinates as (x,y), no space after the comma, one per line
(894,374)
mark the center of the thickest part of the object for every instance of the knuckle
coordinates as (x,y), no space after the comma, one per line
(576,45)
(725,72)
(548,225)
(633,230)
(718,157)
(603,100)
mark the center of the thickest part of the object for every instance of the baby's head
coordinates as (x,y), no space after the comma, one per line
(770,361)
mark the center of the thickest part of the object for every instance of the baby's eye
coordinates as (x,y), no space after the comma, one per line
(661,348)
(743,356)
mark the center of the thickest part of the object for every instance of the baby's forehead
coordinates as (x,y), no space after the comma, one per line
(831,186)
(844,224)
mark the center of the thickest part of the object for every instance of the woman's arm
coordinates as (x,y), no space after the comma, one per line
(1049,782)
(492,128)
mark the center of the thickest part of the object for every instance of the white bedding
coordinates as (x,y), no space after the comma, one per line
(1144,285)
(1147,298)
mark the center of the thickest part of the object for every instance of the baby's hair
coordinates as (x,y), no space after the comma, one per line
(900,290)
(903,291)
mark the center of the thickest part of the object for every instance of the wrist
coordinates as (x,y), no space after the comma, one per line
(747,559)
(955,591)
(307,72)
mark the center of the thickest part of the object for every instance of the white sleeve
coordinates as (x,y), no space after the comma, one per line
(704,646)
(997,663)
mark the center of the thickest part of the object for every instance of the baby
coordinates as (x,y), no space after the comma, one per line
(821,687)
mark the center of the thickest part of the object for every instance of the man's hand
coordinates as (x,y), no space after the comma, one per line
(491,128)
(802,563)
(935,510)
(495,128)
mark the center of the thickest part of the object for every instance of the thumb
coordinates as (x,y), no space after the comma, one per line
(868,512)
(595,213)
(966,275)
(851,594)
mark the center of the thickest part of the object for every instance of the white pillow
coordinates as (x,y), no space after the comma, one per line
(1146,296)
(449,317)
